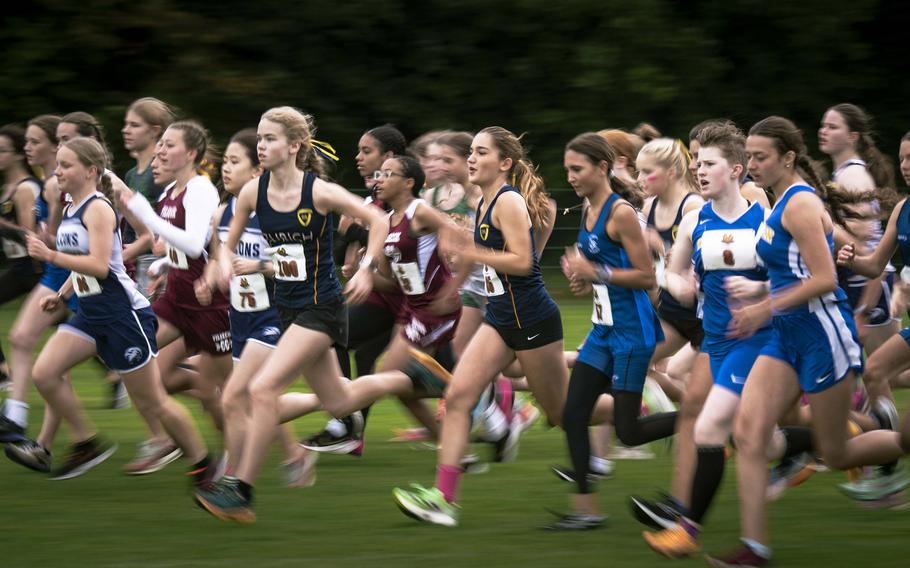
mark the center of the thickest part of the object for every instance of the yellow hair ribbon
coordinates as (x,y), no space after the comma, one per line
(685,151)
(325,149)
(514,178)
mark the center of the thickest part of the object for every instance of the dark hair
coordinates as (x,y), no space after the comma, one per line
(195,137)
(412,170)
(247,139)
(879,166)
(906,136)
(596,149)
(390,139)
(693,132)
(523,174)
(48,124)
(726,137)
(646,132)
(788,138)
(16,135)
(458,141)
(86,125)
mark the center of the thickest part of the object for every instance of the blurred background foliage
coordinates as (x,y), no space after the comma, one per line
(548,69)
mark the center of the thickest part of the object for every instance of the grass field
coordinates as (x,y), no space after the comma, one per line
(107,519)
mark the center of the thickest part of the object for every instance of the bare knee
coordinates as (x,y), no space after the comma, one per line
(22,339)
(459,399)
(747,435)
(235,401)
(263,393)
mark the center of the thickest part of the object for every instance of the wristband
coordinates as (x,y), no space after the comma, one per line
(262,265)
(603,272)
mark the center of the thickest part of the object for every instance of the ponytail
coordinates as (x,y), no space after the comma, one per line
(531,185)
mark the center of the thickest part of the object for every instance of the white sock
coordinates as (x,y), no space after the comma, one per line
(17,411)
(493,423)
(336,428)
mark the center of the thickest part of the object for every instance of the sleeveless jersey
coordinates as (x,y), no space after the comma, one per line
(106,300)
(300,245)
(249,292)
(415,261)
(183,271)
(903,238)
(780,254)
(14,241)
(513,301)
(668,303)
(626,314)
(721,249)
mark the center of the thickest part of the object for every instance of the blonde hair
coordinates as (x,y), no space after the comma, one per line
(299,127)
(154,112)
(523,174)
(91,153)
(671,153)
(625,145)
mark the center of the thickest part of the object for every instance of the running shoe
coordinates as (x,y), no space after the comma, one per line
(506,448)
(630,453)
(878,487)
(471,464)
(885,413)
(742,557)
(10,432)
(153,456)
(576,522)
(526,415)
(301,472)
(411,435)
(225,501)
(30,454)
(119,397)
(678,541)
(351,442)
(426,373)
(426,505)
(659,515)
(568,474)
(790,472)
(83,458)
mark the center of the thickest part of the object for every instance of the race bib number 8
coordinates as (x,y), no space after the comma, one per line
(176,258)
(289,261)
(603,311)
(729,249)
(249,293)
(492,283)
(408,276)
(84,285)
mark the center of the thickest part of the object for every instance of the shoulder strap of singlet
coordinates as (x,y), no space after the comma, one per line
(434,199)
(652,222)
(502,190)
(263,189)
(228,214)
(682,205)
(409,212)
(306,196)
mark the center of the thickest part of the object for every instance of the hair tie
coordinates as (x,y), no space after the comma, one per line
(514,178)
(685,151)
(326,149)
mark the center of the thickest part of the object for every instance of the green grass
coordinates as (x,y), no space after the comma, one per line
(107,519)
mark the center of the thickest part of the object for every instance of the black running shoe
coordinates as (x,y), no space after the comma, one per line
(576,522)
(10,432)
(567,474)
(83,458)
(655,514)
(30,454)
(349,443)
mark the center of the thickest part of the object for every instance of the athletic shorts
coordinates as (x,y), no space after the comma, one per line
(208,331)
(391,302)
(53,278)
(330,318)
(17,278)
(905,334)
(532,336)
(880,313)
(124,345)
(819,343)
(427,330)
(684,320)
(627,370)
(257,327)
(732,359)
(471,299)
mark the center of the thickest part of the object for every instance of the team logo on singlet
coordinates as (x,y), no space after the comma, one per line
(593,247)
(484,231)
(305,216)
(393,253)
(673,232)
(133,355)
(7,207)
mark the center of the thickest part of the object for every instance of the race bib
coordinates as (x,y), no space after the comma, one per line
(408,276)
(249,293)
(289,261)
(905,275)
(603,311)
(85,285)
(492,283)
(728,249)
(660,271)
(176,258)
(13,249)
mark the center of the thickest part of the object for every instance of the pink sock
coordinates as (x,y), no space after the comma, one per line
(504,386)
(447,477)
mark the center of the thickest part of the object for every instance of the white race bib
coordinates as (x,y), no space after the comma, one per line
(732,249)
(492,283)
(176,258)
(408,276)
(249,293)
(603,311)
(289,261)
(905,275)
(13,249)
(660,271)
(85,285)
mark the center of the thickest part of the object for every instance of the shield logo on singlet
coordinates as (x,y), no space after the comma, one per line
(305,216)
(484,231)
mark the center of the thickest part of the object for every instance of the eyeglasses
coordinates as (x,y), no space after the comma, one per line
(380,175)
